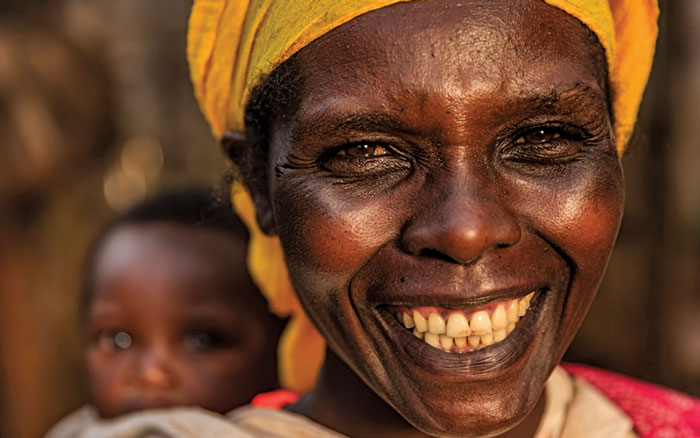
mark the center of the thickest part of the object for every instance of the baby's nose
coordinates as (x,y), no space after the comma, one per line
(156,370)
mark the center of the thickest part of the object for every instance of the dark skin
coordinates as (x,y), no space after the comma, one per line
(174,320)
(444,155)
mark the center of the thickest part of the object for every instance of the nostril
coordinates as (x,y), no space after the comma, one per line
(459,227)
(435,254)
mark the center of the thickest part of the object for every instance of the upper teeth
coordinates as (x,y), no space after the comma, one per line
(465,330)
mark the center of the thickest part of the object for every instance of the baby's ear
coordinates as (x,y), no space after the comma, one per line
(235,145)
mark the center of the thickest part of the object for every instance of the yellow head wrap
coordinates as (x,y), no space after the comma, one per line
(232,44)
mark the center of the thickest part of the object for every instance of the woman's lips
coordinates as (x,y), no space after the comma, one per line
(469,362)
(464,330)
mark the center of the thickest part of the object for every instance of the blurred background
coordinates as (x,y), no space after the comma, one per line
(97,112)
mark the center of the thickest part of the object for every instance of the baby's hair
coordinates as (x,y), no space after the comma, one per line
(191,207)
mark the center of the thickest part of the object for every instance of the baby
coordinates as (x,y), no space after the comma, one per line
(170,315)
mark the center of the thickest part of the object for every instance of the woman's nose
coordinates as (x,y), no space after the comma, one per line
(459,225)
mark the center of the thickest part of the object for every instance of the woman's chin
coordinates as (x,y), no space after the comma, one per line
(492,416)
(472,391)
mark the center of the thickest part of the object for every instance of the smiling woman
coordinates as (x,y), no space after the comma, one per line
(445,182)
(433,172)
(438,185)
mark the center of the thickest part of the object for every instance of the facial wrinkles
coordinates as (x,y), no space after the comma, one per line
(459,105)
(363,225)
(465,140)
(454,113)
(481,38)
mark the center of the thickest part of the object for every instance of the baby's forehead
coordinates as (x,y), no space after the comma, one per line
(192,264)
(169,239)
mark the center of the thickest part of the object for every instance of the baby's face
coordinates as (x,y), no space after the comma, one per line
(175,321)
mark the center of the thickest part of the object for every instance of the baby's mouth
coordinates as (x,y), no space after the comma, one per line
(464,330)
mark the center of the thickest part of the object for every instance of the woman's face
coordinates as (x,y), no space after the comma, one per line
(448,158)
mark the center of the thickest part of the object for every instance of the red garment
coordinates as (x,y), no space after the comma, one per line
(656,412)
(275,400)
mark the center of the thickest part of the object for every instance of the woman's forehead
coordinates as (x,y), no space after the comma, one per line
(455,49)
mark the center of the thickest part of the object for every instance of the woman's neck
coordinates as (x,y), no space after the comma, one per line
(342,402)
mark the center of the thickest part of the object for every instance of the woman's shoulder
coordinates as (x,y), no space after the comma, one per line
(654,410)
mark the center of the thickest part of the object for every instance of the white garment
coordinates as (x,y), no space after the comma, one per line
(574,409)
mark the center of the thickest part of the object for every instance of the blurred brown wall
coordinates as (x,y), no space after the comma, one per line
(96,112)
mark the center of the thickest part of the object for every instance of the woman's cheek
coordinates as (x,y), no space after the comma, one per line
(333,232)
(589,218)
(578,212)
(580,220)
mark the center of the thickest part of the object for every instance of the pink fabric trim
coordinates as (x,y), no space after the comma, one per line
(656,412)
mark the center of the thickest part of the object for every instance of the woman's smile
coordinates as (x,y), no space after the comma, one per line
(460,323)
(465,343)
(464,330)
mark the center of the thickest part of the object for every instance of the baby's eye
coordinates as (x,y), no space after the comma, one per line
(110,340)
(364,150)
(202,340)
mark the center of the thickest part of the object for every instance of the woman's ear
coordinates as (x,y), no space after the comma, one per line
(234,145)
(263,212)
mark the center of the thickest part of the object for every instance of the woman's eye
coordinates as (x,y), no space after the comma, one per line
(111,340)
(202,340)
(360,161)
(545,145)
(364,151)
(538,136)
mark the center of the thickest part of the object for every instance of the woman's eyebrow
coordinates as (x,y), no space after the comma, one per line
(335,120)
(577,94)
(365,121)
(330,122)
